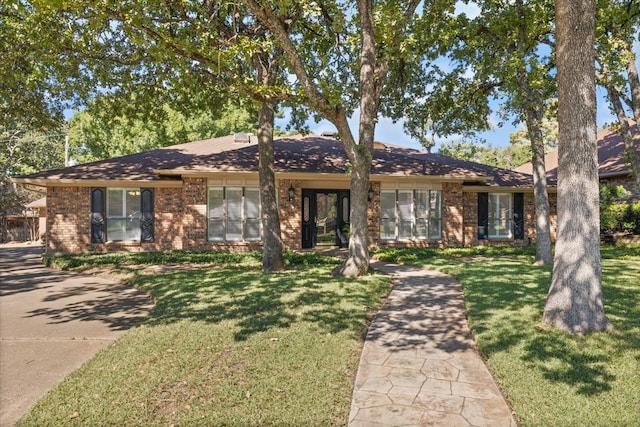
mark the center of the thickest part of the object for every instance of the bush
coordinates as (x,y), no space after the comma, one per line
(621,218)
(616,216)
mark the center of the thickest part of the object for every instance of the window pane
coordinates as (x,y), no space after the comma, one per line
(132,203)
(387,229)
(421,228)
(388,204)
(421,202)
(404,229)
(435,202)
(405,214)
(252,229)
(216,202)
(234,229)
(251,203)
(234,202)
(405,204)
(500,217)
(215,208)
(116,229)
(435,228)
(115,203)
(435,214)
(216,230)
(234,213)
(132,229)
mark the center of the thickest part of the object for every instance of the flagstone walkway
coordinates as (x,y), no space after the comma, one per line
(419,365)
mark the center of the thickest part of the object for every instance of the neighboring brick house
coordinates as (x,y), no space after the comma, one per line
(612,167)
(204,195)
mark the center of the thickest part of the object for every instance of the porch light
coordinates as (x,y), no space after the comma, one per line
(292,192)
(370,194)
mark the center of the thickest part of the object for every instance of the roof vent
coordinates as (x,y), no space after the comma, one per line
(242,137)
(330,134)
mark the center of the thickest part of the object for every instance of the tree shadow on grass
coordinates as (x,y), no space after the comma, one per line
(259,302)
(505,311)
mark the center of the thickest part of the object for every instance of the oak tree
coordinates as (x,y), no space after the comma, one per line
(574,303)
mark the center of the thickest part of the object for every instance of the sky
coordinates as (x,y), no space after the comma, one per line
(393,133)
(387,131)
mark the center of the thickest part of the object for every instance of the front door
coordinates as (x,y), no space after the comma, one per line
(325,218)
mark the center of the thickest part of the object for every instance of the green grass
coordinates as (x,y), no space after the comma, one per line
(226,345)
(550,378)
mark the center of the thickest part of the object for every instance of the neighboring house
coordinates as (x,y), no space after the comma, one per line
(204,195)
(612,168)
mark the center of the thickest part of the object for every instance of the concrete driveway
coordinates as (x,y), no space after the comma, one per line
(51,322)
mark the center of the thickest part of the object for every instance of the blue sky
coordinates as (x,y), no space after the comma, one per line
(393,133)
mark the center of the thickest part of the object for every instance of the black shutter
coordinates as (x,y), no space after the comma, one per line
(146,222)
(518,216)
(97,215)
(483,216)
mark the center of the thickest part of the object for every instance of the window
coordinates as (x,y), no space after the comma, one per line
(234,214)
(122,214)
(410,214)
(500,217)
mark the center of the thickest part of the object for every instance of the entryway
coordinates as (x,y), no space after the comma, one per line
(325,218)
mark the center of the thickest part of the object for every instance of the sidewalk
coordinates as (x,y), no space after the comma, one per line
(419,365)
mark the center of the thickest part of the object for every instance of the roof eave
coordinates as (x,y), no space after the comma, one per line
(45,182)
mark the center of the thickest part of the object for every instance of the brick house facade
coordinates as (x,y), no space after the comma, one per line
(185,194)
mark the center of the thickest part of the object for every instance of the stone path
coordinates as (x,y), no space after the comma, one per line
(419,365)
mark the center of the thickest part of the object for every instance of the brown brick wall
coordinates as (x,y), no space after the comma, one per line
(181,220)
(68,219)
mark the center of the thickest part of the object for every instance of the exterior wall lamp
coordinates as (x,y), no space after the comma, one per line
(292,192)
(370,194)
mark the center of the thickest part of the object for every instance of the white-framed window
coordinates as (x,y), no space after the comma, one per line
(233,214)
(500,216)
(410,214)
(123,214)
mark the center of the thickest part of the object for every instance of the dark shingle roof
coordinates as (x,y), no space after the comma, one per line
(313,154)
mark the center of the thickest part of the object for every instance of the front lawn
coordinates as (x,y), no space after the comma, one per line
(225,345)
(550,378)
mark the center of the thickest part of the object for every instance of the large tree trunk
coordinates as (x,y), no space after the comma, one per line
(272,240)
(266,73)
(574,303)
(361,154)
(533,113)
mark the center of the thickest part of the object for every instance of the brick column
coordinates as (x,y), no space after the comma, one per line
(194,213)
(290,212)
(470,201)
(452,214)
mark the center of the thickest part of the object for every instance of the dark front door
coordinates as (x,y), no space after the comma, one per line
(325,218)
